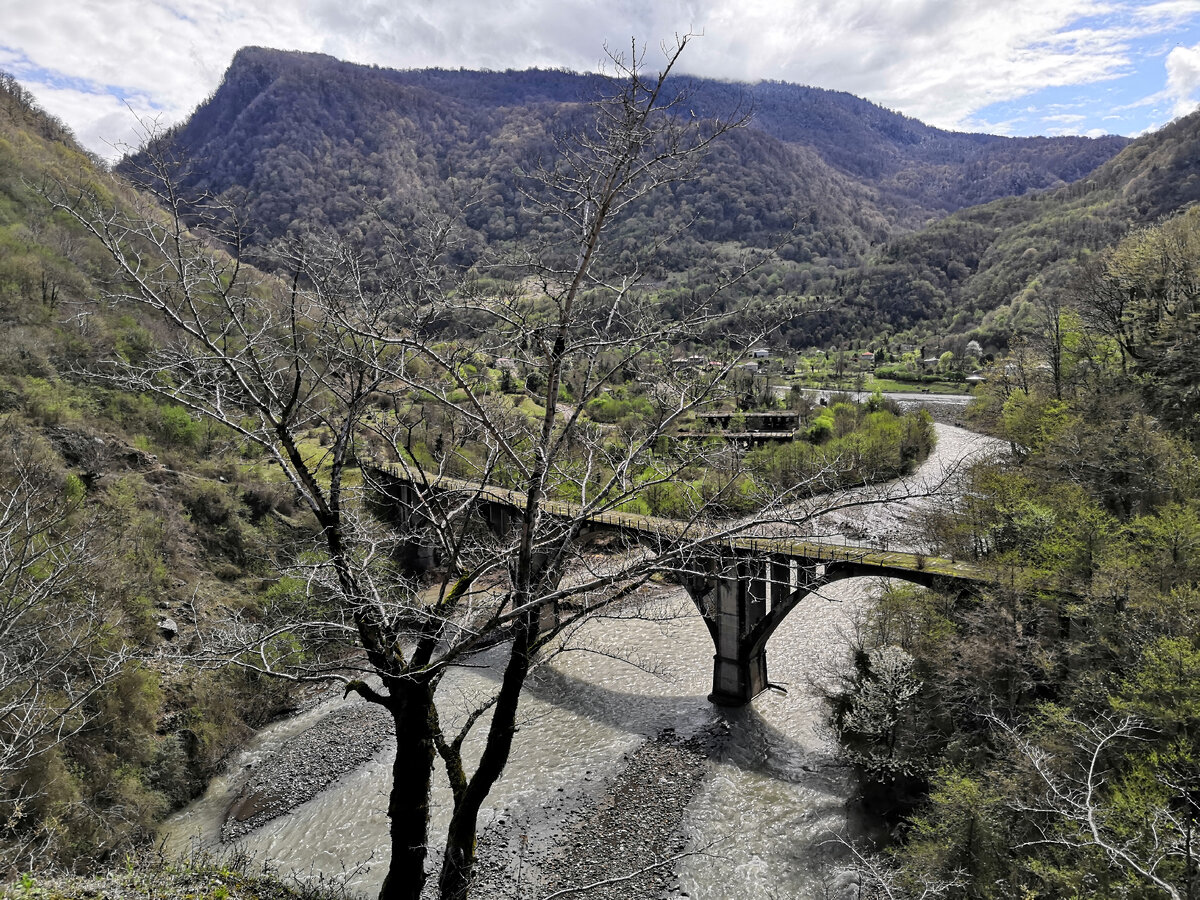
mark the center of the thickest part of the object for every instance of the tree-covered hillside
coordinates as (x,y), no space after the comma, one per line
(1033,743)
(984,267)
(124,524)
(304,141)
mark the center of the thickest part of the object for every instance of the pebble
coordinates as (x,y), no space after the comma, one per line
(308,763)
(630,822)
(605,828)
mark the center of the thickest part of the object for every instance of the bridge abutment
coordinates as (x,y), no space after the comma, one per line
(736,603)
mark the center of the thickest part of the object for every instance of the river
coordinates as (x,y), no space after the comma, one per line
(770,801)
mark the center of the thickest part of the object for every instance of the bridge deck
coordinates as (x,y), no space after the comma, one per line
(882,562)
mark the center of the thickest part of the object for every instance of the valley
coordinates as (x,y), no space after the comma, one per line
(540,314)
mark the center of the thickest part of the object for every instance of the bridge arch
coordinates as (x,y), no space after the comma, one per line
(760,633)
(745,598)
(743,585)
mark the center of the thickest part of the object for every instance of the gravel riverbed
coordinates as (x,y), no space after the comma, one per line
(337,743)
(622,835)
(625,829)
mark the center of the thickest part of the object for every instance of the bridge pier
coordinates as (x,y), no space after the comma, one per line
(416,554)
(500,518)
(737,601)
(734,600)
(737,678)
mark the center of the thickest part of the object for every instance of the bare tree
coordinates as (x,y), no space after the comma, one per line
(877,877)
(1048,339)
(1106,306)
(1075,810)
(57,646)
(494,495)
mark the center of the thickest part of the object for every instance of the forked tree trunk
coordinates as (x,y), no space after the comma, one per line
(408,804)
(458,864)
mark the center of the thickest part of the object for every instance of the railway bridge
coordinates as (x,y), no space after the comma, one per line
(744,586)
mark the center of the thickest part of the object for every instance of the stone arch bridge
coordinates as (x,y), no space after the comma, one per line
(743,588)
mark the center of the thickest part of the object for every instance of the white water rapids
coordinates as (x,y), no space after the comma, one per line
(772,798)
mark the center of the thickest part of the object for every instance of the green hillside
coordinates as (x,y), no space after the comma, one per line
(976,270)
(303,141)
(124,523)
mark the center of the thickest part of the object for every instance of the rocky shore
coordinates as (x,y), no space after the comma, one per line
(622,833)
(948,412)
(622,837)
(336,744)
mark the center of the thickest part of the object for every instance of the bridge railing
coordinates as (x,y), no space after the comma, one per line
(811,549)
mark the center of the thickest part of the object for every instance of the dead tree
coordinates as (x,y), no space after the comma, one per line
(328,369)
(1076,810)
(58,648)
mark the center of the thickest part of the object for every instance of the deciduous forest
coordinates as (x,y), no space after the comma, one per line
(1043,743)
(212,355)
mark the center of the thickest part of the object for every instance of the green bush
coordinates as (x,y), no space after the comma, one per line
(821,428)
(177,428)
(847,444)
(615,406)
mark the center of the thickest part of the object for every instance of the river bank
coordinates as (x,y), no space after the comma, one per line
(947,409)
(336,744)
(622,835)
(764,797)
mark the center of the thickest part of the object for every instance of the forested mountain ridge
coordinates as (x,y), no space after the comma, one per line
(981,267)
(919,171)
(309,142)
(896,153)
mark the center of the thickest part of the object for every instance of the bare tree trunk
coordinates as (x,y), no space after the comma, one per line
(458,866)
(414,715)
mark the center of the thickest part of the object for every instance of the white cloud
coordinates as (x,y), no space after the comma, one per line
(1065,120)
(938,60)
(1170,12)
(1183,79)
(106,125)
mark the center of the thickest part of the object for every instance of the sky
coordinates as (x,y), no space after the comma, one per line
(1015,67)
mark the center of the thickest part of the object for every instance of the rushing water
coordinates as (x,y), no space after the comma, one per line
(773,797)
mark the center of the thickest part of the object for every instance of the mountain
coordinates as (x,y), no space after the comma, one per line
(978,268)
(123,526)
(306,141)
(934,170)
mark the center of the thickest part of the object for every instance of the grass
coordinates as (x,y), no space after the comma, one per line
(936,387)
(152,876)
(887,385)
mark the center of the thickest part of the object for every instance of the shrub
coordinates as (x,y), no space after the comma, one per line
(177,428)
(215,513)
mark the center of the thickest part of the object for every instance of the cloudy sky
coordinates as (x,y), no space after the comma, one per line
(1005,66)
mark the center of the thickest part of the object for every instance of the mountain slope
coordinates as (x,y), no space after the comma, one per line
(307,141)
(979,267)
(153,521)
(940,170)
